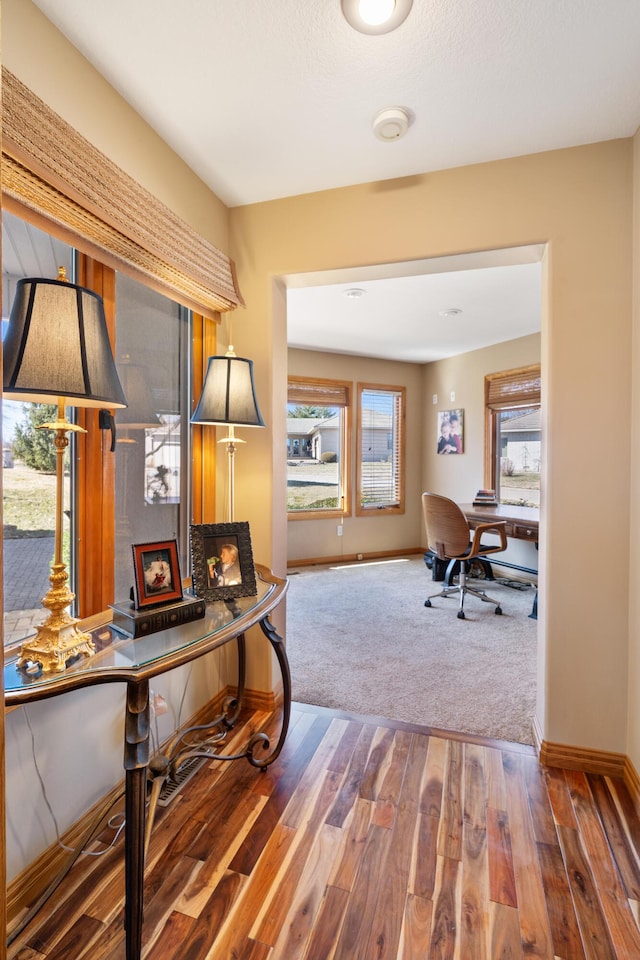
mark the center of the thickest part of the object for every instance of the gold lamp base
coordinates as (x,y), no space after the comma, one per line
(58,639)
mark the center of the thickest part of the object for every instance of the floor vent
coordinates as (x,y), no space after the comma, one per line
(172,787)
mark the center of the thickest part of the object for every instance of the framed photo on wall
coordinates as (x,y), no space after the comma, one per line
(222,561)
(157,573)
(450,431)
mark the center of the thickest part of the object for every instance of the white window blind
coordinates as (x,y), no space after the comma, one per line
(381,446)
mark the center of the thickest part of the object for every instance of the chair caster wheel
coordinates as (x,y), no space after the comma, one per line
(427,603)
(461,615)
(498,611)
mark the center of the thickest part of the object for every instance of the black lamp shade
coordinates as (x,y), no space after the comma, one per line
(228,394)
(57,347)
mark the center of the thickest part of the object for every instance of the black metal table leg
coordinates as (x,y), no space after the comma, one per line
(136,761)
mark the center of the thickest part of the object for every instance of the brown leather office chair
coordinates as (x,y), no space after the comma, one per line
(449,537)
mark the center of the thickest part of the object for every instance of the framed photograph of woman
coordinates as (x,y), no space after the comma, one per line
(157,573)
(222,561)
(450,431)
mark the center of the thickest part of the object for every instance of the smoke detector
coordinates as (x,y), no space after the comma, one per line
(391,124)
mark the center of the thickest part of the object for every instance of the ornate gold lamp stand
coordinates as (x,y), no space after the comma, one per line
(58,639)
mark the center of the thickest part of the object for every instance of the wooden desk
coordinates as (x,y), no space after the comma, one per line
(522,522)
(121,659)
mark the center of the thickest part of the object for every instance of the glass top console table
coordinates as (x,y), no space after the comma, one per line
(135,661)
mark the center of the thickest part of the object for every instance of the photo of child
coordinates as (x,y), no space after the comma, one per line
(450,431)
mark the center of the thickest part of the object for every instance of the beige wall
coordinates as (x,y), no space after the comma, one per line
(578,202)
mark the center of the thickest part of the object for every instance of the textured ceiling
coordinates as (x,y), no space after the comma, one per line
(272,98)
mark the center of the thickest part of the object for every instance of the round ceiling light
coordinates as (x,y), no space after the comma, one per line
(450,312)
(354,292)
(391,124)
(375,16)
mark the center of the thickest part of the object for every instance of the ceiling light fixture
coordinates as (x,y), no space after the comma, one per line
(375,16)
(391,124)
(354,292)
(450,312)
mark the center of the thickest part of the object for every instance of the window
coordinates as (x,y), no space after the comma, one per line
(380,449)
(513,435)
(152,445)
(28,454)
(317,448)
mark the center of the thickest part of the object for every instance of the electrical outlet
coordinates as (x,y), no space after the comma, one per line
(452,396)
(339,530)
(434,399)
(359,556)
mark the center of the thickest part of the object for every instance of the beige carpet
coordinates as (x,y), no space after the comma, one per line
(360,639)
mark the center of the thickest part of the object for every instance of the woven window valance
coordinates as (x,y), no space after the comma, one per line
(50,169)
(513,388)
(313,392)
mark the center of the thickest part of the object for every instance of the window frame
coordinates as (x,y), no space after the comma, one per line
(331,393)
(506,390)
(400,424)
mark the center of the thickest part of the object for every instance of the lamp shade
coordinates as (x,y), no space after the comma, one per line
(228,394)
(57,347)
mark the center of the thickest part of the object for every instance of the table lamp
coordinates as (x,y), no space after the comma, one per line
(228,398)
(57,350)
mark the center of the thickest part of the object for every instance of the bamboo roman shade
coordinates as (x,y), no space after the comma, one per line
(513,388)
(317,393)
(50,169)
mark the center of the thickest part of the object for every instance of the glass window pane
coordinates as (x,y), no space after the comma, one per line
(314,451)
(153,432)
(380,448)
(518,450)
(28,455)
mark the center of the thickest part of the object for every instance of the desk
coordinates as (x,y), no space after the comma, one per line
(121,659)
(522,522)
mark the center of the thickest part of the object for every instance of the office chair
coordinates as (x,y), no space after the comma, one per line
(449,537)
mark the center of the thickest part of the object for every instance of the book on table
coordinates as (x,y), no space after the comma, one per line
(485,498)
(139,623)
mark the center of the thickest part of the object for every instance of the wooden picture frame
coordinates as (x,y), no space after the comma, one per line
(222,561)
(157,574)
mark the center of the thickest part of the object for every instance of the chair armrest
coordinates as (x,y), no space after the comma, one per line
(498,527)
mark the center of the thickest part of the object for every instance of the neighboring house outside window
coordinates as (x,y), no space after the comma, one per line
(380,450)
(513,448)
(318,443)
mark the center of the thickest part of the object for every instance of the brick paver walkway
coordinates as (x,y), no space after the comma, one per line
(27,563)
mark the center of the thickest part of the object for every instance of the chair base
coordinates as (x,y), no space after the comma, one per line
(462,590)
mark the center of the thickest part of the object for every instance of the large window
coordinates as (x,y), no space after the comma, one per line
(317,448)
(28,454)
(380,450)
(152,455)
(513,435)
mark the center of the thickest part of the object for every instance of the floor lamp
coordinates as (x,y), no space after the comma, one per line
(228,399)
(57,350)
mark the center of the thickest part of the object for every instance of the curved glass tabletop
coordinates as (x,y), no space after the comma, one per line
(119,657)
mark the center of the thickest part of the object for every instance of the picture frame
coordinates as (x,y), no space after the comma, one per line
(222,561)
(156,574)
(450,431)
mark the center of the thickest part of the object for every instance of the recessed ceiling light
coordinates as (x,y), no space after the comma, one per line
(450,312)
(375,16)
(354,292)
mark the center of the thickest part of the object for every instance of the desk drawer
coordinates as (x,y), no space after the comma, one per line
(524,532)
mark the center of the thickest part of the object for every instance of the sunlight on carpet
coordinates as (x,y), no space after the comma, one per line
(360,639)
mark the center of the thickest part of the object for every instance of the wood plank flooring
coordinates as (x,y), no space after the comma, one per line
(369,840)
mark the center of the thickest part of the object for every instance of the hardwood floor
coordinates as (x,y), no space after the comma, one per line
(369,840)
